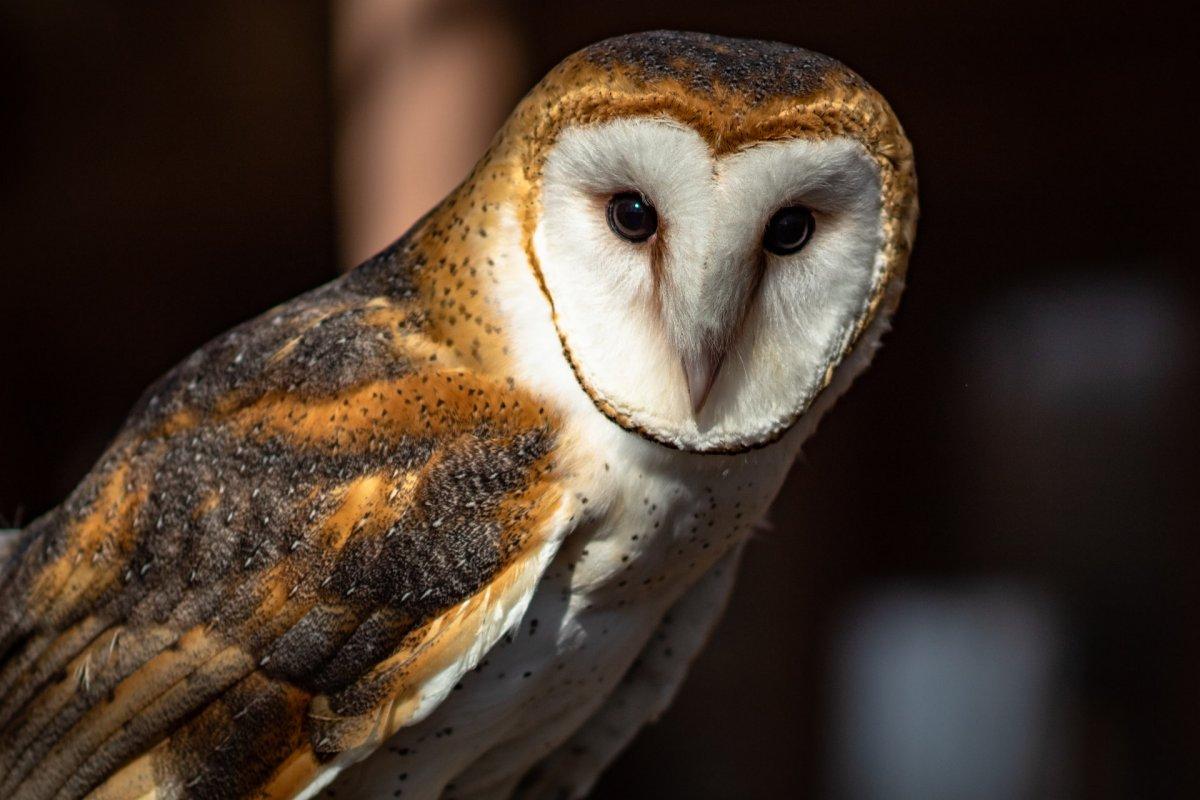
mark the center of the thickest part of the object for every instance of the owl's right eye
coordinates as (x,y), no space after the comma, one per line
(632,217)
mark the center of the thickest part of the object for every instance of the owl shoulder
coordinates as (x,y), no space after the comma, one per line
(309,517)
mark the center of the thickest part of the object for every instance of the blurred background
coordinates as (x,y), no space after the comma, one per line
(980,582)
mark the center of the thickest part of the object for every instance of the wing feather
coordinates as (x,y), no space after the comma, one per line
(300,540)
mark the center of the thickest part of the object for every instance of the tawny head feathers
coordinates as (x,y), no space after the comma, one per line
(699,336)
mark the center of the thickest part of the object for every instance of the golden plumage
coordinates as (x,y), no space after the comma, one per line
(309,530)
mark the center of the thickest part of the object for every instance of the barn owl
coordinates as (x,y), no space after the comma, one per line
(456,523)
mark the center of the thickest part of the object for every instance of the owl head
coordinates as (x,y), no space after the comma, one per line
(714,224)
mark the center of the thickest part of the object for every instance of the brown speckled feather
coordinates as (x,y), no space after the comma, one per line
(296,529)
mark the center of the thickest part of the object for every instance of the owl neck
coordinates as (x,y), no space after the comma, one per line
(442,278)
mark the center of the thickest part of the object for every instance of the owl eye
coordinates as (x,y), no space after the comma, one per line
(789,230)
(632,217)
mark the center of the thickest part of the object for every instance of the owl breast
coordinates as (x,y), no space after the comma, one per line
(652,535)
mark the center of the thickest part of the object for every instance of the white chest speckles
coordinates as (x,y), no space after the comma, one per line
(656,523)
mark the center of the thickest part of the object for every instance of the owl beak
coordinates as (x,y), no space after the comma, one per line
(700,370)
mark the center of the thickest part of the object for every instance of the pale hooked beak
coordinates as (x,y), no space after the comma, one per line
(700,371)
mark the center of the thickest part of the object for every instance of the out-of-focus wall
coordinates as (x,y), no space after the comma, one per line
(420,86)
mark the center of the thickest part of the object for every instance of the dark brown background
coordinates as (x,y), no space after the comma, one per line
(1032,418)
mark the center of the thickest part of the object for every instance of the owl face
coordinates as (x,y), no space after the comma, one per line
(713,247)
(702,295)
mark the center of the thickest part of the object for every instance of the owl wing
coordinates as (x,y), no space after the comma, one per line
(305,534)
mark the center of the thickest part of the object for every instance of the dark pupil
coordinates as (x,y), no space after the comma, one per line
(788,230)
(631,217)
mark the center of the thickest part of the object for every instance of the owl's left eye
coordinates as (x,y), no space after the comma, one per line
(632,217)
(789,230)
